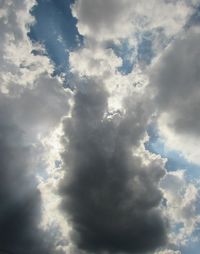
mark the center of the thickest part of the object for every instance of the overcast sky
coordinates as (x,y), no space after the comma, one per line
(100,126)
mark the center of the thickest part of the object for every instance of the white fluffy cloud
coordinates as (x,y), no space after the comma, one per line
(168,252)
(110,19)
(94,62)
(19,67)
(181,205)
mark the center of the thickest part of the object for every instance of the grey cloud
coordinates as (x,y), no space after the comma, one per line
(41,108)
(20,200)
(103,16)
(8,19)
(102,20)
(9,23)
(110,197)
(176,78)
(35,111)
(33,104)
(19,197)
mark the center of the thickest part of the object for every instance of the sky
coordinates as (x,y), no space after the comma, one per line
(99,126)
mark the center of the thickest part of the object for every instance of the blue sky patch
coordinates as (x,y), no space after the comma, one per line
(128,55)
(194,20)
(56,29)
(192,247)
(145,48)
(176,160)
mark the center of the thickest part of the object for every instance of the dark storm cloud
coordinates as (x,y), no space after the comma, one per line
(109,195)
(21,120)
(19,197)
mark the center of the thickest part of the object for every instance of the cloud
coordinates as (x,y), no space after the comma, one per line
(176,79)
(107,20)
(100,170)
(110,195)
(182,200)
(110,185)
(32,104)
(19,67)
(24,120)
(94,62)
(20,199)
(168,252)
(96,15)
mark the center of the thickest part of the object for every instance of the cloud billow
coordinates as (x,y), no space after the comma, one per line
(111,189)
(109,195)
(19,197)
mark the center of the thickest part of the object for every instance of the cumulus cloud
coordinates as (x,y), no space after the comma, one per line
(19,66)
(22,120)
(182,200)
(110,195)
(20,199)
(182,205)
(107,20)
(94,62)
(95,16)
(103,179)
(32,104)
(176,78)
(115,196)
